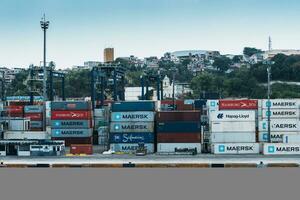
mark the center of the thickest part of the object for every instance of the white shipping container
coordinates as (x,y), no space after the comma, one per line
(280,113)
(233,115)
(291,138)
(233,137)
(233,127)
(281,149)
(236,148)
(277,125)
(26,135)
(281,103)
(275,136)
(170,147)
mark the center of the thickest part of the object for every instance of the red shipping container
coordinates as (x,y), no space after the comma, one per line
(36,129)
(238,104)
(170,102)
(81,149)
(178,137)
(178,116)
(34,116)
(69,141)
(15,115)
(185,107)
(69,115)
(15,109)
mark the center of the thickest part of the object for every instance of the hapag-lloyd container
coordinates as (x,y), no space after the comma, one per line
(139,116)
(71,132)
(281,103)
(133,106)
(291,138)
(178,127)
(243,126)
(131,148)
(237,137)
(131,127)
(281,149)
(233,115)
(131,138)
(280,113)
(70,124)
(236,148)
(178,116)
(239,104)
(178,137)
(277,125)
(70,115)
(71,105)
(173,147)
(275,136)
(33,109)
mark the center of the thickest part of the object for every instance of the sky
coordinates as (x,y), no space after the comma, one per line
(80,29)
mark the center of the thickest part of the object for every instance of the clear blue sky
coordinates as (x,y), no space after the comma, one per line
(80,29)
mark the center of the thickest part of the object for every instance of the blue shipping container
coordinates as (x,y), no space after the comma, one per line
(129,127)
(133,106)
(71,133)
(33,109)
(69,124)
(131,137)
(71,105)
(139,116)
(177,127)
(36,124)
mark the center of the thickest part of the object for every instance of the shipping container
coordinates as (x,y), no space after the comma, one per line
(70,115)
(131,148)
(36,124)
(178,116)
(102,140)
(26,135)
(101,113)
(70,124)
(69,141)
(281,103)
(199,104)
(280,113)
(131,127)
(131,137)
(233,137)
(34,116)
(19,115)
(18,124)
(71,132)
(241,104)
(179,126)
(291,138)
(185,107)
(71,105)
(233,115)
(281,149)
(236,148)
(277,125)
(103,130)
(81,149)
(175,147)
(276,137)
(100,122)
(132,116)
(213,104)
(233,126)
(133,106)
(179,137)
(15,109)
(33,109)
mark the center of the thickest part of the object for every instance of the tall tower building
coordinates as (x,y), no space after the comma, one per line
(108,55)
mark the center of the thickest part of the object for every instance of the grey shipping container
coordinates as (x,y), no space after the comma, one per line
(71,133)
(36,124)
(139,116)
(33,109)
(70,124)
(131,148)
(70,105)
(131,127)
(133,106)
(179,126)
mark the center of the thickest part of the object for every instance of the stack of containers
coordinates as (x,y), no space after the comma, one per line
(72,122)
(15,111)
(132,124)
(178,130)
(35,114)
(284,118)
(101,121)
(233,128)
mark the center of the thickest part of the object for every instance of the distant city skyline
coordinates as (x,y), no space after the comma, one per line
(80,30)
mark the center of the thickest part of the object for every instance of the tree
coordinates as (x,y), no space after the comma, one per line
(248,51)
(222,63)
